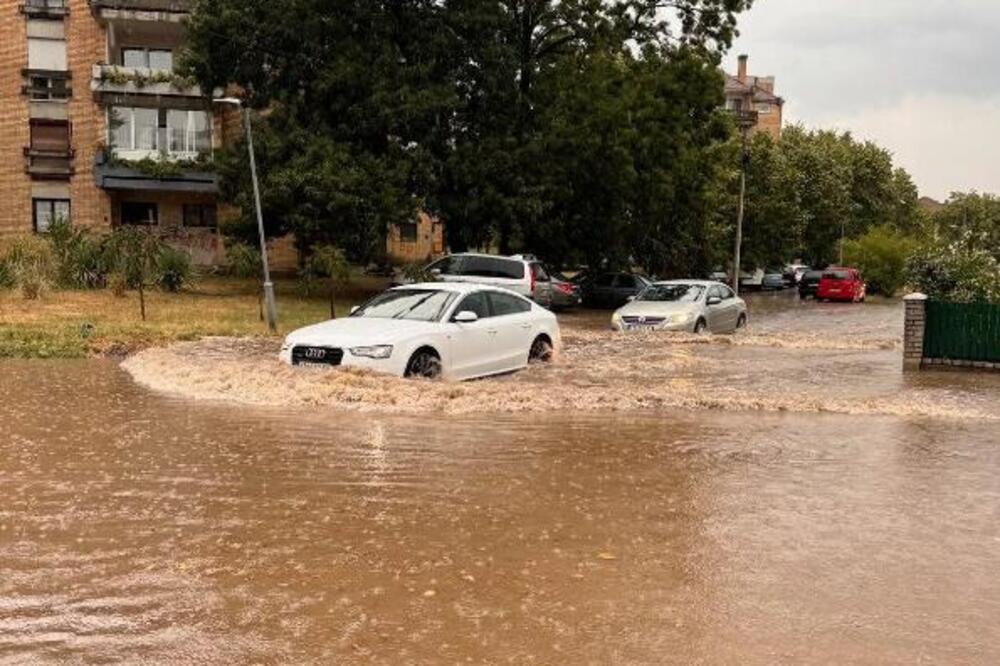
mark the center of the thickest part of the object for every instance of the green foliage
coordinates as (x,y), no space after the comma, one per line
(174,269)
(881,254)
(573,128)
(417,272)
(330,263)
(6,273)
(31,265)
(809,188)
(243,260)
(962,270)
(81,258)
(970,218)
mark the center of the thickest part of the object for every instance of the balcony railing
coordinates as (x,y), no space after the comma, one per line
(142,10)
(50,163)
(117,80)
(168,143)
(45,9)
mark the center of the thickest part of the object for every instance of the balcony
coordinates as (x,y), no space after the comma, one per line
(166,175)
(114,84)
(45,164)
(172,11)
(45,9)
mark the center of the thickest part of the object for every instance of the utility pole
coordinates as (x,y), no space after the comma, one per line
(270,307)
(746,120)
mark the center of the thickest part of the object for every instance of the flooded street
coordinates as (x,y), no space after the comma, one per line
(782,496)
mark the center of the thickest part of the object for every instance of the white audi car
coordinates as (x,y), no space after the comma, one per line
(450,330)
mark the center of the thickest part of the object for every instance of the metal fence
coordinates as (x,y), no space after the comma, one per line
(963,332)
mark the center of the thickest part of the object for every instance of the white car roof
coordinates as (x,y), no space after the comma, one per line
(455,287)
(696,283)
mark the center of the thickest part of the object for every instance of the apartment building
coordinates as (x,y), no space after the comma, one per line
(98,129)
(754,94)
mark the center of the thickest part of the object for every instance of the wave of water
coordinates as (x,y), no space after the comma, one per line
(597,370)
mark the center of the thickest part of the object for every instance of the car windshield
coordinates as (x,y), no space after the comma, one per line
(666,293)
(410,304)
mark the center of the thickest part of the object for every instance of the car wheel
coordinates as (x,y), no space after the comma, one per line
(541,351)
(700,327)
(424,364)
(741,322)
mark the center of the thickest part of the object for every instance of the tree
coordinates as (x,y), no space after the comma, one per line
(328,261)
(881,254)
(135,255)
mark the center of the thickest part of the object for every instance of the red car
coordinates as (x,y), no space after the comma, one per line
(841,284)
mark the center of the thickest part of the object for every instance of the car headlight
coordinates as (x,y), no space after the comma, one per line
(616,319)
(286,345)
(683,318)
(376,351)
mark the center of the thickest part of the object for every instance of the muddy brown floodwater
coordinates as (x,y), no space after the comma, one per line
(785,496)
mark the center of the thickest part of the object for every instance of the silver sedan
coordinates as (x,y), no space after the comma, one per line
(696,306)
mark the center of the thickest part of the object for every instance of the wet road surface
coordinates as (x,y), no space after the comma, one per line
(139,526)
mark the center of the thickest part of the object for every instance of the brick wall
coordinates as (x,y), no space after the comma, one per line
(914,325)
(86,46)
(15,185)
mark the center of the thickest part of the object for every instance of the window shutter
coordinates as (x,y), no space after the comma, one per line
(47,54)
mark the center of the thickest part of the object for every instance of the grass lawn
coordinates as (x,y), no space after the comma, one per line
(77,324)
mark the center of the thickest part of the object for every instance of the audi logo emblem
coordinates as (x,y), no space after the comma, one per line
(315,354)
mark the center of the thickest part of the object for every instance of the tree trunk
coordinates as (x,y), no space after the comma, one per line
(333,302)
(142,302)
(260,304)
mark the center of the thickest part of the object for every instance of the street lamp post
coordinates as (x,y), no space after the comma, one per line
(746,121)
(270,308)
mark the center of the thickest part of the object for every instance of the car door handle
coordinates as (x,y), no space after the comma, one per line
(525,326)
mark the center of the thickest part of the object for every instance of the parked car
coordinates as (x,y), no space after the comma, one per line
(842,284)
(809,284)
(773,280)
(450,330)
(719,275)
(611,290)
(524,275)
(683,305)
(751,281)
(793,274)
(565,294)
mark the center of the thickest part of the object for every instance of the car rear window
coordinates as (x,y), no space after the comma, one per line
(492,267)
(836,275)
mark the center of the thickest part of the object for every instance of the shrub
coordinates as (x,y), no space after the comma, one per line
(417,272)
(963,271)
(81,258)
(881,255)
(243,260)
(329,262)
(32,265)
(134,254)
(6,275)
(174,269)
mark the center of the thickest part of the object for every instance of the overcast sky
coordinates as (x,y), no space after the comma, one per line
(919,77)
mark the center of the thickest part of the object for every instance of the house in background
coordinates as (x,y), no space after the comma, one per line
(746,93)
(416,241)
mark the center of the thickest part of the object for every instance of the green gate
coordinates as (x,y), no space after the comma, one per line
(963,332)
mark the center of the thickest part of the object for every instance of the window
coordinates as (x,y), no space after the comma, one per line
(137,213)
(764,108)
(508,304)
(409,304)
(605,280)
(50,136)
(727,293)
(672,293)
(408,232)
(627,282)
(493,267)
(447,266)
(158,59)
(47,211)
(47,54)
(139,129)
(476,302)
(199,215)
(46,87)
(539,272)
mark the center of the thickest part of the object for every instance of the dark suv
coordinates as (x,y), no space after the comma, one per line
(809,284)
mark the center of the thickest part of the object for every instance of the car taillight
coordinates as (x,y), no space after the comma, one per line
(534,278)
(565,288)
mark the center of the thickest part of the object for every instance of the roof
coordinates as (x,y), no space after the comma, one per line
(751,86)
(696,283)
(456,287)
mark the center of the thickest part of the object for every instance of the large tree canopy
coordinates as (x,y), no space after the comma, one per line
(581,129)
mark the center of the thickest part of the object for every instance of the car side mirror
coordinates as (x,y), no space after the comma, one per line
(714,300)
(466,317)
(355,309)
(435,272)
(630,299)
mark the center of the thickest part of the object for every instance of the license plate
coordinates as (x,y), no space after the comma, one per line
(640,327)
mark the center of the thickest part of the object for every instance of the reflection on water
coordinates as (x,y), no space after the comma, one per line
(143,528)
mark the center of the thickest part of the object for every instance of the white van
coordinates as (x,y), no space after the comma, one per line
(524,275)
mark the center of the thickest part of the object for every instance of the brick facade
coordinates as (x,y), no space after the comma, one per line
(15,185)
(755,93)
